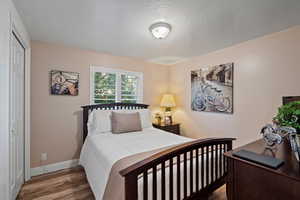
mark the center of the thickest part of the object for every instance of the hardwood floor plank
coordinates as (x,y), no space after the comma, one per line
(64,194)
(54,188)
(84,194)
(59,181)
(56,174)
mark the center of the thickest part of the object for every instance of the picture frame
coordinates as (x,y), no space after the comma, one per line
(64,83)
(212,89)
(168,120)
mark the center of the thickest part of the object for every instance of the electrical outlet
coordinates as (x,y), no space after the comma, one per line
(44,156)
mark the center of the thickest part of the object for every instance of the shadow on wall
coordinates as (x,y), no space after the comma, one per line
(79,134)
(186,120)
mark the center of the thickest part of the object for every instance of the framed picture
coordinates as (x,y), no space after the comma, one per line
(168,120)
(212,89)
(64,83)
(289,99)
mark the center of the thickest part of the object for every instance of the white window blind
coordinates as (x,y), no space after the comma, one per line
(112,85)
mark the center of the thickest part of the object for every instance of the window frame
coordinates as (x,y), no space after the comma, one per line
(118,88)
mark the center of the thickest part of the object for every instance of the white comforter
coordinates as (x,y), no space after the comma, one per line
(101,151)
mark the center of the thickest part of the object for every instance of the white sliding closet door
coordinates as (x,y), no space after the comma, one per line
(16,117)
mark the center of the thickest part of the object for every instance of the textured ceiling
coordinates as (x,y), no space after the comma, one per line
(120,27)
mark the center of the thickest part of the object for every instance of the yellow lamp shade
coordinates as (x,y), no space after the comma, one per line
(167,101)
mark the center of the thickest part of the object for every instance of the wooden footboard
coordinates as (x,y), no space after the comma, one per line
(201,161)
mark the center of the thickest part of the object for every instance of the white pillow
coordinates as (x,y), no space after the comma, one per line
(90,123)
(146,118)
(100,120)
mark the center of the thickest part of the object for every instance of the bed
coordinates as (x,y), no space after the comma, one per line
(150,164)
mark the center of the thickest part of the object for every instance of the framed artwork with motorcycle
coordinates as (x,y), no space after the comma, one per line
(212,89)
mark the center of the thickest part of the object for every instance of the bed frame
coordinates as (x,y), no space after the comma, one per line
(177,157)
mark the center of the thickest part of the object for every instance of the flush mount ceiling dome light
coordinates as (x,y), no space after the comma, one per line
(160,30)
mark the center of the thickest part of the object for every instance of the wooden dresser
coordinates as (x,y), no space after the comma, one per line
(250,181)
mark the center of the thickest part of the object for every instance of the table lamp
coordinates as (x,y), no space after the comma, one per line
(168,102)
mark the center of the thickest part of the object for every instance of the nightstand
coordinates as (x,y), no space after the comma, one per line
(173,128)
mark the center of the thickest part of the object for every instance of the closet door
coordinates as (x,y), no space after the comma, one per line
(16,117)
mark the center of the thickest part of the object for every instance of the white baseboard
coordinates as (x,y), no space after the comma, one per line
(53,167)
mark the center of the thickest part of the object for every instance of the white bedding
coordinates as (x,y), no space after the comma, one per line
(101,151)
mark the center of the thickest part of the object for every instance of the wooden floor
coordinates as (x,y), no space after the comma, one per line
(70,184)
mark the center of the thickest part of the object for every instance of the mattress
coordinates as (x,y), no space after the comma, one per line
(101,151)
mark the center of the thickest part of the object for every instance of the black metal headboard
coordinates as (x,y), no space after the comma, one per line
(113,106)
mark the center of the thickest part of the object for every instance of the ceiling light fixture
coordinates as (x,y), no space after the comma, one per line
(160,30)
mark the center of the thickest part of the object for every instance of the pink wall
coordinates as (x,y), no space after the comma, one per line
(56,120)
(266,69)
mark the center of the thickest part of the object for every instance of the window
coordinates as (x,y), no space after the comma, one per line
(112,85)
